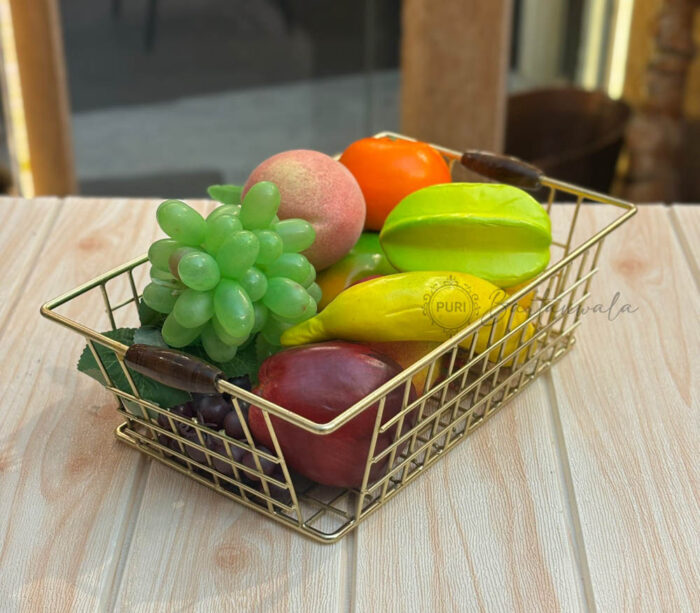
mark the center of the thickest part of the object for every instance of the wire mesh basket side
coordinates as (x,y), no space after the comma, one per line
(473,386)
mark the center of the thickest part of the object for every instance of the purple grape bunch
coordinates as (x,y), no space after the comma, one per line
(216,412)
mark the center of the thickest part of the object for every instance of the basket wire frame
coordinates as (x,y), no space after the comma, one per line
(463,390)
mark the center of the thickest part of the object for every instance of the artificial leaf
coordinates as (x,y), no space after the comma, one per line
(149,335)
(149,389)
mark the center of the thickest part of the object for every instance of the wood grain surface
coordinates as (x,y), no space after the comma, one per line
(582,494)
(486,529)
(195,550)
(66,487)
(628,403)
(25,226)
(686,222)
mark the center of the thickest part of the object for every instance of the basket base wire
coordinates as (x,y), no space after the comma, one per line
(126,434)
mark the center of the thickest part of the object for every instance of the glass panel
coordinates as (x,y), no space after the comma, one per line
(170,96)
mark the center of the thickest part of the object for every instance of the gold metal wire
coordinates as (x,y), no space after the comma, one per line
(471,388)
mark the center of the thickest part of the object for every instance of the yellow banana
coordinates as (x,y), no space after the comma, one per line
(418,306)
(526,301)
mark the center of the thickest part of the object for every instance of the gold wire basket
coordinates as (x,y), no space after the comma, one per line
(470,389)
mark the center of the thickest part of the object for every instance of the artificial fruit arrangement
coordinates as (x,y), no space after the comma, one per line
(280,288)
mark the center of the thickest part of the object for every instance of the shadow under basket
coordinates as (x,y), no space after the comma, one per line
(467,387)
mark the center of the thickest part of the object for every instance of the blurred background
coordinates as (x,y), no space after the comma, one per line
(165,97)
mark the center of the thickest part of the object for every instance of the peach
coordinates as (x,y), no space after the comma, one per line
(321,190)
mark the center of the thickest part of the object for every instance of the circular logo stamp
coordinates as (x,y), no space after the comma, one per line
(450,305)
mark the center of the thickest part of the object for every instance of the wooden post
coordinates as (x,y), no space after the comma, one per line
(454,64)
(44,113)
(655,134)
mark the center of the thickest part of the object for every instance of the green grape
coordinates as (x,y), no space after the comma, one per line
(294,266)
(237,253)
(215,348)
(159,252)
(173,286)
(159,297)
(273,329)
(175,258)
(181,222)
(233,308)
(309,311)
(236,276)
(225,209)
(296,234)
(260,205)
(224,336)
(315,292)
(176,335)
(261,314)
(254,283)
(218,230)
(198,270)
(310,278)
(226,194)
(286,298)
(193,309)
(311,308)
(165,278)
(270,247)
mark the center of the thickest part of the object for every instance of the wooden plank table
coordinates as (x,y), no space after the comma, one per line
(581,495)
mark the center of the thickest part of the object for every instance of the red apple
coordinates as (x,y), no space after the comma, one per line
(319,382)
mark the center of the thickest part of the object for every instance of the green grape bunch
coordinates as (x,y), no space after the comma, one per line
(235,274)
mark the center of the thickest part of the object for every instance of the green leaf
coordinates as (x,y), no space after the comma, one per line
(149,389)
(263,350)
(245,362)
(226,194)
(149,335)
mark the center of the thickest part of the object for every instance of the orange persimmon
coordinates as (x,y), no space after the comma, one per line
(388,170)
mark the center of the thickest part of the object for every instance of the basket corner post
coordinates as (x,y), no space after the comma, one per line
(45,310)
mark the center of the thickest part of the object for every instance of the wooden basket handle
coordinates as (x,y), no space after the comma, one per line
(503,168)
(173,368)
